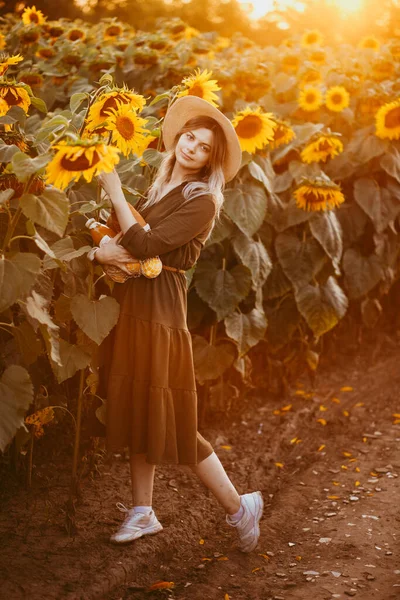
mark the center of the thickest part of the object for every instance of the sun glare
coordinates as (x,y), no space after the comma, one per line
(257,8)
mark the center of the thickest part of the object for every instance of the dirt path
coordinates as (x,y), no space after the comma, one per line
(330,526)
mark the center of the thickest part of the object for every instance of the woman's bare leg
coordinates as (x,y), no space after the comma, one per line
(211,472)
(142,476)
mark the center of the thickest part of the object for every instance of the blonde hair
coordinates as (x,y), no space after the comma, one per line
(209,180)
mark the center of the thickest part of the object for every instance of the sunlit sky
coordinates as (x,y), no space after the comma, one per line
(259,8)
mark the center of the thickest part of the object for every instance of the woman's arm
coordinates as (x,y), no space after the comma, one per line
(112,253)
(111,183)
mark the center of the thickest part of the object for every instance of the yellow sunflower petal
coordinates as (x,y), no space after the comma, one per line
(310,99)
(202,86)
(337,98)
(254,128)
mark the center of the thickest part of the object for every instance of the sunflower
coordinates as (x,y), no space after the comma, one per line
(290,63)
(370,42)
(318,195)
(30,36)
(310,77)
(112,31)
(128,131)
(45,52)
(100,110)
(311,38)
(337,98)
(13,94)
(254,128)
(283,134)
(17,139)
(310,99)
(83,157)
(326,145)
(55,30)
(75,34)
(383,69)
(318,57)
(31,16)
(221,43)
(34,80)
(8,61)
(388,121)
(200,84)
(2,41)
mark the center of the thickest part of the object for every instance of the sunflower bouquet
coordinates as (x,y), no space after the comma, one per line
(111,126)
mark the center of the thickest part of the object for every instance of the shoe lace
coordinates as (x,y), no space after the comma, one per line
(122,507)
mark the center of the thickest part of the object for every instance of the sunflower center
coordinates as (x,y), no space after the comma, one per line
(81,163)
(75,34)
(111,103)
(310,98)
(312,197)
(196,90)
(11,99)
(125,127)
(113,30)
(33,17)
(337,98)
(249,127)
(324,146)
(392,119)
(279,133)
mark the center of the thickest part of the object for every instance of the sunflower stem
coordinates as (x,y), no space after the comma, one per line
(11,228)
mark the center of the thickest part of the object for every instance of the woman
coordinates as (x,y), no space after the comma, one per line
(147,372)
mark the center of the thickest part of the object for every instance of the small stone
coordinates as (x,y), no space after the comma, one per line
(354,498)
(291,544)
(331,514)
(203,566)
(370,577)
(292,564)
(388,553)
(311,573)
(278,598)
(374,517)
(269,553)
(278,574)
(382,470)
(324,540)
(350,592)
(336,573)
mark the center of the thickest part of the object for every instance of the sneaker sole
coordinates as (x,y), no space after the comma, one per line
(258,515)
(139,534)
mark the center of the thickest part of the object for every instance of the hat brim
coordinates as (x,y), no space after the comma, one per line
(186,108)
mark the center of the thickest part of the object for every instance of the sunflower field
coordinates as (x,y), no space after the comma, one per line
(309,232)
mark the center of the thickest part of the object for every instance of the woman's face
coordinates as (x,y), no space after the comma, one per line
(193,149)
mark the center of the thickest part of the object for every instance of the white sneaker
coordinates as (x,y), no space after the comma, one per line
(247,527)
(135,525)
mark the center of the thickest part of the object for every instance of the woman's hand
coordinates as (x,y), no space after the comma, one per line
(111,184)
(112,253)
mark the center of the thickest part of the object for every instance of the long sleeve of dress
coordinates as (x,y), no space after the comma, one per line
(193,217)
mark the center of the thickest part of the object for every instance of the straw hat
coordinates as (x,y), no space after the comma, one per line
(186,108)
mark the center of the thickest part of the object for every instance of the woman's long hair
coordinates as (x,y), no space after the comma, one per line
(209,180)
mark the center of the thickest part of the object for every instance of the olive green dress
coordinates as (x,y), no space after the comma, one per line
(146,362)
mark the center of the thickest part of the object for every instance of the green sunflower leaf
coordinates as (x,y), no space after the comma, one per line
(18,273)
(16,393)
(322,306)
(96,318)
(50,209)
(221,289)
